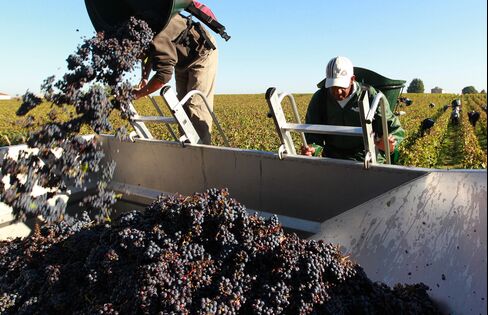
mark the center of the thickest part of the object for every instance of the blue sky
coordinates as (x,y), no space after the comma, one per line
(278,43)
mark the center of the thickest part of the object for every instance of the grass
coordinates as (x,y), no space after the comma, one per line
(245,122)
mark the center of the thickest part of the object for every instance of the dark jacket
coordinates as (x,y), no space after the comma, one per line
(180,44)
(325,110)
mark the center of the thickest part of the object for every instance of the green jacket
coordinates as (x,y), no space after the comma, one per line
(325,110)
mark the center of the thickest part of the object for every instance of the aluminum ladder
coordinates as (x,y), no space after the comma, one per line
(179,117)
(366,112)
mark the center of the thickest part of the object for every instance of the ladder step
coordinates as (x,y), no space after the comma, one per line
(324,129)
(167,120)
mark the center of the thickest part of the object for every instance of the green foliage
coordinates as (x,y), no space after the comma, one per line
(244,120)
(424,151)
(469,90)
(15,129)
(474,138)
(416,86)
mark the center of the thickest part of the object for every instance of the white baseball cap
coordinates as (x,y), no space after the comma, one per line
(339,72)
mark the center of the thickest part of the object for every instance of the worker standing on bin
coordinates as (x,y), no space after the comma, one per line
(186,48)
(337,103)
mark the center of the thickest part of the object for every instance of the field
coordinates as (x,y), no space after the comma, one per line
(245,122)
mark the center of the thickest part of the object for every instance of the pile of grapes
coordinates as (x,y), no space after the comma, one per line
(201,254)
(59,158)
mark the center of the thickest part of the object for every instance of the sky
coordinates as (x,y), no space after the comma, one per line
(284,44)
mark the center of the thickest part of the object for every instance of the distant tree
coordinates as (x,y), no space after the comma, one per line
(416,86)
(483,92)
(469,90)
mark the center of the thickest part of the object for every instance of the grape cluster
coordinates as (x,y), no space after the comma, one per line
(94,86)
(29,102)
(200,254)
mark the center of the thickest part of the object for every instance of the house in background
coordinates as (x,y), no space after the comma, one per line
(436,90)
(4,96)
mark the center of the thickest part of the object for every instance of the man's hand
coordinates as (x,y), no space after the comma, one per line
(381,145)
(149,87)
(307,150)
(137,93)
(142,84)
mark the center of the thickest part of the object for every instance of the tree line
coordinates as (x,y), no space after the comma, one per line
(417,86)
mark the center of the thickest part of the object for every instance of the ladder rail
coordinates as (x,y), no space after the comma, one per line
(192,93)
(156,119)
(140,127)
(138,123)
(281,97)
(367,128)
(384,124)
(381,100)
(176,108)
(366,112)
(324,129)
(158,109)
(179,114)
(276,112)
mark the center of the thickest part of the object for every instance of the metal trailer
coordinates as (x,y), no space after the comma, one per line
(401,224)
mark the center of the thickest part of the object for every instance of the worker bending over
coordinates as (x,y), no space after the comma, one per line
(188,49)
(337,103)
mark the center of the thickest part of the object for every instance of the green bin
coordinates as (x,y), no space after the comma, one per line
(106,15)
(389,87)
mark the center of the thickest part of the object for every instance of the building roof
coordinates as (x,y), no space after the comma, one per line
(5,96)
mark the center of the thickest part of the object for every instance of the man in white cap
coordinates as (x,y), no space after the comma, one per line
(337,103)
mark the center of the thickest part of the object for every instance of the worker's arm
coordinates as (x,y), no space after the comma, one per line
(160,78)
(145,71)
(162,59)
(152,86)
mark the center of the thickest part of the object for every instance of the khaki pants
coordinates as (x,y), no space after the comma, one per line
(199,76)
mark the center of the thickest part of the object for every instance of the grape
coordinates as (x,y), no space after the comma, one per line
(196,254)
(94,85)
